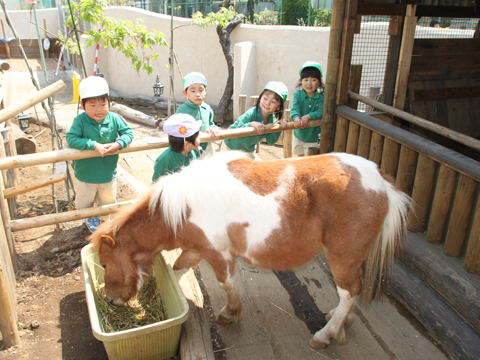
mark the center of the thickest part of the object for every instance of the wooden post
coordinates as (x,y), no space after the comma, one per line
(33,185)
(341,133)
(7,47)
(11,150)
(441,204)
(8,316)
(376,148)
(405,58)
(395,32)
(461,214)
(472,255)
(242,105)
(331,79)
(47,52)
(390,157)
(364,139)
(353,127)
(253,102)
(313,151)
(421,194)
(6,225)
(287,138)
(406,169)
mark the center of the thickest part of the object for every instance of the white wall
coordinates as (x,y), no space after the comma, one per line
(24,22)
(279,53)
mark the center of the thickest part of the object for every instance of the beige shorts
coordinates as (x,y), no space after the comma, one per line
(301,148)
(100,194)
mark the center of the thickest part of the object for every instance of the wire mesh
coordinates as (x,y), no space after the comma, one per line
(370,47)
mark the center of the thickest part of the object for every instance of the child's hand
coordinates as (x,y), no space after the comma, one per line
(112,148)
(212,132)
(283,124)
(258,126)
(100,148)
(297,123)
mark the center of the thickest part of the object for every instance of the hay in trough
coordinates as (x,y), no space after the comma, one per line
(145,309)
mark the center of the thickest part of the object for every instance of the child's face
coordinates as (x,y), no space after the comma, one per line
(196,93)
(97,109)
(269,103)
(310,85)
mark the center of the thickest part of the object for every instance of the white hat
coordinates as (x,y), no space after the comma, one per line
(92,86)
(182,125)
(194,78)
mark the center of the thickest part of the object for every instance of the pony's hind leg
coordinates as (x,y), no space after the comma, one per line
(185,261)
(338,318)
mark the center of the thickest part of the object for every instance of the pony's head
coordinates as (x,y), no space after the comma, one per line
(123,277)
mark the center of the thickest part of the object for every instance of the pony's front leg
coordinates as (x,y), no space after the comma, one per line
(225,271)
(335,327)
(185,261)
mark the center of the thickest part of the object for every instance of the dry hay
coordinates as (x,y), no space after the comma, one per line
(145,309)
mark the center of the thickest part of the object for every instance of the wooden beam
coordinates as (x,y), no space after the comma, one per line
(405,58)
(472,255)
(139,145)
(446,93)
(8,321)
(465,12)
(381,9)
(428,47)
(27,102)
(33,185)
(452,159)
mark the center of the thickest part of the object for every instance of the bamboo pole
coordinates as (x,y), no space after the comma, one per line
(51,219)
(441,204)
(8,323)
(47,52)
(33,185)
(448,133)
(421,194)
(6,225)
(140,145)
(287,138)
(7,47)
(461,214)
(27,102)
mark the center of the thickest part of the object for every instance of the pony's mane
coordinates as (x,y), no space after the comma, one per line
(111,227)
(175,193)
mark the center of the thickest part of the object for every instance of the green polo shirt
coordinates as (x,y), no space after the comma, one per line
(85,133)
(203,112)
(249,143)
(304,105)
(171,162)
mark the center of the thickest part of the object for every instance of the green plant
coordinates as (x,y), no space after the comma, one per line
(133,40)
(266,17)
(293,11)
(322,17)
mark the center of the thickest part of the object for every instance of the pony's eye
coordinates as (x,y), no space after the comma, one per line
(104,266)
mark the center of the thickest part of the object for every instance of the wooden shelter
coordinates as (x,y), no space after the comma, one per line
(431,149)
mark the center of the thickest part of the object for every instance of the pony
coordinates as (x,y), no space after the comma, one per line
(277,215)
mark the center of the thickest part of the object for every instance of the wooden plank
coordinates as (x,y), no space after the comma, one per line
(376,148)
(390,154)
(434,313)
(467,12)
(421,194)
(441,204)
(405,57)
(33,185)
(427,47)
(472,255)
(406,169)
(381,9)
(341,133)
(393,53)
(354,84)
(446,93)
(395,25)
(444,63)
(353,136)
(460,217)
(445,275)
(364,139)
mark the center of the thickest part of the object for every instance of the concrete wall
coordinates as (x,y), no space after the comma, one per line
(274,53)
(24,22)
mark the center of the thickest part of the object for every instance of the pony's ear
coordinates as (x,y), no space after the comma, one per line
(108,240)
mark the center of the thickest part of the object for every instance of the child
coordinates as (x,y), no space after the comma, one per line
(307,105)
(268,110)
(184,137)
(195,90)
(97,129)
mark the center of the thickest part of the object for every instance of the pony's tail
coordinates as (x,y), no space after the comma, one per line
(381,253)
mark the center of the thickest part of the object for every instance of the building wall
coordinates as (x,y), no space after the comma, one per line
(279,53)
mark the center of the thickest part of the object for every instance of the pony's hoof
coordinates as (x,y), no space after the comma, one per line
(224,320)
(318,344)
